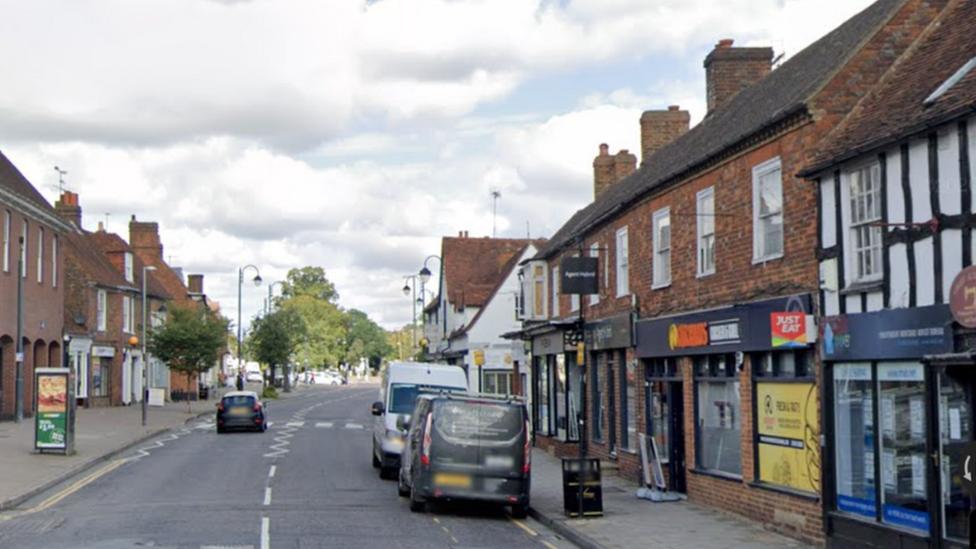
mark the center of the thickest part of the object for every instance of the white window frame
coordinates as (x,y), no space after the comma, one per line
(126,319)
(40,255)
(622,253)
(555,291)
(102,310)
(705,204)
(129,276)
(24,229)
(595,253)
(6,241)
(661,239)
(54,261)
(761,252)
(866,263)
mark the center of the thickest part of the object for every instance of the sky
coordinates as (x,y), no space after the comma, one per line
(351,135)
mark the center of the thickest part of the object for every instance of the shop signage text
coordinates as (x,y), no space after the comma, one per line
(579,276)
(789,435)
(962,297)
(609,333)
(891,334)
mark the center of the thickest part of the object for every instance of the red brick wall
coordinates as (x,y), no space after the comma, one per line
(43,310)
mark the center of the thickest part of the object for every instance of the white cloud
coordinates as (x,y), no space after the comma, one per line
(346,134)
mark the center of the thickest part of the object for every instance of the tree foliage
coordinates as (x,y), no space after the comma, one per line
(366,339)
(311,282)
(190,341)
(276,336)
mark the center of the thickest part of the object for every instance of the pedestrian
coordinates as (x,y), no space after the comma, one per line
(240,382)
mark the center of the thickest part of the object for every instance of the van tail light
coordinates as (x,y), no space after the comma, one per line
(425,448)
(527,451)
(257,407)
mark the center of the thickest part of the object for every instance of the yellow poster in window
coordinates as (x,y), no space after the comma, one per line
(789,435)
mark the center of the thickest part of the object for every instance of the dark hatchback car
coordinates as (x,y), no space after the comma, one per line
(241,410)
(467,447)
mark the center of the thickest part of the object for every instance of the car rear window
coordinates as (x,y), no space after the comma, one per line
(403,396)
(458,420)
(239,400)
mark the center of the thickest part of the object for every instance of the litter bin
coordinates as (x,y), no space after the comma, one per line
(591,486)
(204,391)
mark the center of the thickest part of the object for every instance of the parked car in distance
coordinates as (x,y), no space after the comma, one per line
(467,447)
(402,382)
(325,378)
(241,410)
(254,375)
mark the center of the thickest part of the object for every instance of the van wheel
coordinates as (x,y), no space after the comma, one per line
(402,489)
(417,503)
(520,511)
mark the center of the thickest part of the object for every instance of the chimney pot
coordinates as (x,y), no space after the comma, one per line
(674,107)
(101,227)
(604,149)
(725,43)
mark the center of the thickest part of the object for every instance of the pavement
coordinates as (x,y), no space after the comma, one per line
(627,521)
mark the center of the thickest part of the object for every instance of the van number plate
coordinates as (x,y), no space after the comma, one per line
(452,480)
(499,461)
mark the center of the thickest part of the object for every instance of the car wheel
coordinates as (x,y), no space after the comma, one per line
(520,511)
(402,489)
(417,503)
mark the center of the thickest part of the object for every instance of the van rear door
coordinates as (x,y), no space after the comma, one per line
(482,438)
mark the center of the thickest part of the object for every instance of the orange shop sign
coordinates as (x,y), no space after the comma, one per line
(681,336)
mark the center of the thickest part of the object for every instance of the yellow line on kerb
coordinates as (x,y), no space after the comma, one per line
(53,500)
(528,530)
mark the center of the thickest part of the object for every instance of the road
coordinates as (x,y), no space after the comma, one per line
(307,483)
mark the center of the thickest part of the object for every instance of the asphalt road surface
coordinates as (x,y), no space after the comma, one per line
(307,483)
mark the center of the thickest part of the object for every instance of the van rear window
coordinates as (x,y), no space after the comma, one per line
(467,420)
(403,396)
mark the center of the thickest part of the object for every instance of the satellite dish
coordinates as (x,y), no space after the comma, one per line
(80,319)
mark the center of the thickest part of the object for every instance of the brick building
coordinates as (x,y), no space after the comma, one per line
(25,214)
(103,308)
(701,334)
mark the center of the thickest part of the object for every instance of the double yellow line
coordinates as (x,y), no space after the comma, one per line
(56,498)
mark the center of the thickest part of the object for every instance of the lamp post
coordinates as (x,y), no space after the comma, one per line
(19,383)
(407,289)
(240,285)
(425,272)
(270,304)
(145,357)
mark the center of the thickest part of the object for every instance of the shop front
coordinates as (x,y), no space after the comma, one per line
(899,397)
(612,405)
(555,391)
(732,406)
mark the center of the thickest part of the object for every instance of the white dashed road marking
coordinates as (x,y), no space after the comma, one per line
(353,426)
(267,496)
(324,424)
(295,424)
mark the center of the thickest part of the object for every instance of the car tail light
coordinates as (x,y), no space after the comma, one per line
(527,451)
(425,449)
(220,406)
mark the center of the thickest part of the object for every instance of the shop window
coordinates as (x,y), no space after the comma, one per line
(628,405)
(573,400)
(542,382)
(717,415)
(598,401)
(787,420)
(880,436)
(100,376)
(612,402)
(559,390)
(956,432)
(901,396)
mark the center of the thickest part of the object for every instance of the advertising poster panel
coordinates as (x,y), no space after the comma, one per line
(51,420)
(789,435)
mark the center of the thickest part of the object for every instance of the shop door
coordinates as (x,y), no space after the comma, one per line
(664,406)
(676,463)
(953,431)
(611,404)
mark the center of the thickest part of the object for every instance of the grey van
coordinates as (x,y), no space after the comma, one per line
(467,447)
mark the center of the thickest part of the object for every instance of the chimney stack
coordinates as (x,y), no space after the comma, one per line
(624,164)
(658,128)
(68,208)
(195,284)
(144,239)
(730,70)
(604,167)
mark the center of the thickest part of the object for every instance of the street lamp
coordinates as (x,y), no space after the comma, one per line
(240,284)
(270,304)
(407,289)
(145,357)
(425,272)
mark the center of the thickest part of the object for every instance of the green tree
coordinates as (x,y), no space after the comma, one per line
(325,329)
(190,341)
(366,339)
(275,338)
(311,282)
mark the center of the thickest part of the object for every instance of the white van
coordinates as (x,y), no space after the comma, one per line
(402,382)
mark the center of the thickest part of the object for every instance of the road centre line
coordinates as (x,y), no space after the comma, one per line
(271,473)
(267,496)
(265,533)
